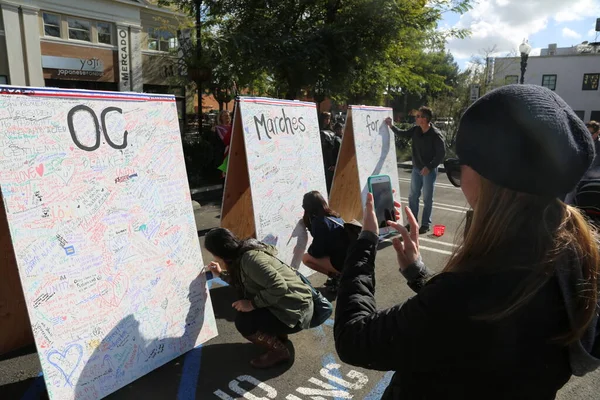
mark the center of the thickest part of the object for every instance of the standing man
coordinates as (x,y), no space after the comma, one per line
(428,151)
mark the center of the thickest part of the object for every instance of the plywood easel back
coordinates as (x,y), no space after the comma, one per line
(15,329)
(237,214)
(275,159)
(345,189)
(368,148)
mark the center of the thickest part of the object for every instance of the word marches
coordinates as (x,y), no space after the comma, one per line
(82,108)
(336,387)
(278,125)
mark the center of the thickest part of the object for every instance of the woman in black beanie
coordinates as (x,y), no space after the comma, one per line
(514,313)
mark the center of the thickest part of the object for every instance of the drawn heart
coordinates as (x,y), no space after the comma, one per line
(113,289)
(40,169)
(66,173)
(67,361)
(71,148)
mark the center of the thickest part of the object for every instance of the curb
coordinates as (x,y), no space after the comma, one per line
(408,165)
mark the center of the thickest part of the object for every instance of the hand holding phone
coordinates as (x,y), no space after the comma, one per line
(383,199)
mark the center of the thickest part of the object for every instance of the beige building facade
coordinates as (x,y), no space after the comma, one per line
(119,45)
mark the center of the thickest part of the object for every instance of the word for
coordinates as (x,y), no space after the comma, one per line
(96,145)
(125,178)
(278,125)
(319,391)
(372,126)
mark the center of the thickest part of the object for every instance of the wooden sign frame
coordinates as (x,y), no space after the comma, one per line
(347,190)
(272,141)
(237,212)
(16,327)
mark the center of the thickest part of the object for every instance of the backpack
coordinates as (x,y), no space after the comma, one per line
(587,198)
(352,229)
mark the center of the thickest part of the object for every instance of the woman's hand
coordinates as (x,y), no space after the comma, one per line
(407,250)
(243,305)
(370,218)
(215,268)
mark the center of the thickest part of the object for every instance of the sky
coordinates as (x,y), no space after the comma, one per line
(505,23)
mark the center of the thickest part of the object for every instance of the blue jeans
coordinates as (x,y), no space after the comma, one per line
(427,183)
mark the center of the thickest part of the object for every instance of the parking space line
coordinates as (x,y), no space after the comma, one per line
(442,185)
(449,253)
(380,387)
(189,374)
(448,244)
(455,209)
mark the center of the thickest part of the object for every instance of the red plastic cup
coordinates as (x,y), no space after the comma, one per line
(438,230)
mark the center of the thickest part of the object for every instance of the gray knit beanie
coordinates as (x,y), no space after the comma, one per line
(525,138)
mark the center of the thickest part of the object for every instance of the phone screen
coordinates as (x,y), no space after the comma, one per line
(384,202)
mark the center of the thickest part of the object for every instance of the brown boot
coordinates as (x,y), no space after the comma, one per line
(277,352)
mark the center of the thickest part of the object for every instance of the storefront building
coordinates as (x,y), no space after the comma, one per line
(119,45)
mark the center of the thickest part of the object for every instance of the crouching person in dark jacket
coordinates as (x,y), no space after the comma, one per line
(273,303)
(514,313)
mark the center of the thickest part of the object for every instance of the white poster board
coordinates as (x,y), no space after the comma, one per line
(101,221)
(282,146)
(375,147)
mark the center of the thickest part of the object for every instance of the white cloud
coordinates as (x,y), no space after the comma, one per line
(592,32)
(504,24)
(577,10)
(570,33)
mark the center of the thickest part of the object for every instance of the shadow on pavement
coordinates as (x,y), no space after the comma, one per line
(222,299)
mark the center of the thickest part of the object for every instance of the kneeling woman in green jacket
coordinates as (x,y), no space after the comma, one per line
(274,301)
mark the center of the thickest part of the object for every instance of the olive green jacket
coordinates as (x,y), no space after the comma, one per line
(267,282)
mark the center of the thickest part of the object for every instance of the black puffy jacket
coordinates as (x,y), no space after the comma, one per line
(437,348)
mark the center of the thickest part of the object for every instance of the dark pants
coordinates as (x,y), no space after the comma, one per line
(263,320)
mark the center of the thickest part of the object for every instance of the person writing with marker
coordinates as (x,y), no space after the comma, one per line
(428,151)
(514,313)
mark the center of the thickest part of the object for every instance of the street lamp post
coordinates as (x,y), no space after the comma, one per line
(524,48)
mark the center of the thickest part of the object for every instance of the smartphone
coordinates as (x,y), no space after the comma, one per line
(383,199)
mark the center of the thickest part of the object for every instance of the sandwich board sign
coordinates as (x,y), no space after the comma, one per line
(95,193)
(368,148)
(274,159)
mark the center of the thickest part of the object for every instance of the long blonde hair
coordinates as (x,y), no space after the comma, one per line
(546,232)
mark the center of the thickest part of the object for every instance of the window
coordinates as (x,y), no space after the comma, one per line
(3,80)
(510,79)
(161,40)
(104,32)
(580,114)
(590,82)
(79,29)
(549,81)
(51,25)
(595,116)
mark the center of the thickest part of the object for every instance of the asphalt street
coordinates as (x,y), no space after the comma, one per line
(220,369)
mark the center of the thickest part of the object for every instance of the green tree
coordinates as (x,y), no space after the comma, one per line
(348,50)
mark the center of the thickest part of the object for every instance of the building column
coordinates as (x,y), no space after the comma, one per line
(137,75)
(124,58)
(14,45)
(32,46)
